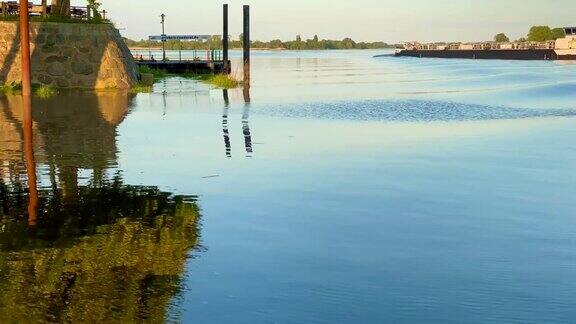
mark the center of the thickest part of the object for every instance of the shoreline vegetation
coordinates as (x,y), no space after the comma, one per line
(298,44)
(222,81)
(41,91)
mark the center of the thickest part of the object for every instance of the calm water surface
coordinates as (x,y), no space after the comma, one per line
(339,188)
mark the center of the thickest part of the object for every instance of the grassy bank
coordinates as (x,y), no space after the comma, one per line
(223,81)
(158,74)
(58,19)
(141,88)
(218,80)
(41,91)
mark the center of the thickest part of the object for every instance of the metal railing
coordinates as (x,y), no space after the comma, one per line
(12,8)
(197,55)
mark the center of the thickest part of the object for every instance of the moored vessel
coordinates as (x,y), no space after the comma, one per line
(560,49)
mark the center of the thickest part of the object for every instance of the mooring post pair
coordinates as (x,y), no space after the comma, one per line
(245,41)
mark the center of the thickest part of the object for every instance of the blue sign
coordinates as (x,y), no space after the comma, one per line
(164,38)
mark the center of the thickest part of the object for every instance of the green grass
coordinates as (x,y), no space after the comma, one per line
(141,88)
(10,88)
(158,74)
(223,81)
(58,19)
(44,91)
(41,91)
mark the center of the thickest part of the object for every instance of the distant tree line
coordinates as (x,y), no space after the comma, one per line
(298,44)
(536,34)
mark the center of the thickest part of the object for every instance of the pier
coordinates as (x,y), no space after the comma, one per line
(202,62)
(188,66)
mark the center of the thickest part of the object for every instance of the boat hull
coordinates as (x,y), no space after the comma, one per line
(526,55)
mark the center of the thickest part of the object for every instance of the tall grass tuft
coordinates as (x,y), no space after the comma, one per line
(223,81)
(141,88)
(45,91)
(10,88)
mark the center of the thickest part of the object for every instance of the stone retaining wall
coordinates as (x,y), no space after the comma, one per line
(65,55)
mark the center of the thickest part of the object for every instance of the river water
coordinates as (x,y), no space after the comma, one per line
(338,188)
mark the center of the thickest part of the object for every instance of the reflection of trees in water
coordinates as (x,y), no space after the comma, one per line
(117,253)
(99,252)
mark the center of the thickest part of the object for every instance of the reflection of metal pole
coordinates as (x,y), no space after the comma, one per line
(225,131)
(163,16)
(25,48)
(246,130)
(30,161)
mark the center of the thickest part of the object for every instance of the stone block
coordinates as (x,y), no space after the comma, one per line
(82,68)
(56,69)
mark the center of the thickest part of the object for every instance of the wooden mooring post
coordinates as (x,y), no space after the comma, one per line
(225,39)
(246,42)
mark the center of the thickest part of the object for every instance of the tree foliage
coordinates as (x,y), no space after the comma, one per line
(298,44)
(94,6)
(501,38)
(558,33)
(540,34)
(125,267)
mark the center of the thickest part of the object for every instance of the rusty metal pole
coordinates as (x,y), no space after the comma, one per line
(27,125)
(25,48)
(225,40)
(246,42)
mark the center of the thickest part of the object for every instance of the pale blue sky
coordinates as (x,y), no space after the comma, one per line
(371,20)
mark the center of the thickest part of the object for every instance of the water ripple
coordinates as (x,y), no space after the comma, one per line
(406,110)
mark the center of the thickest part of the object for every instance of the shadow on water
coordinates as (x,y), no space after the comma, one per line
(84,252)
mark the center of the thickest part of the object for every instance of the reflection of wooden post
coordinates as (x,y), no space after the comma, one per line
(246,93)
(226,98)
(30,160)
(246,42)
(25,48)
(225,40)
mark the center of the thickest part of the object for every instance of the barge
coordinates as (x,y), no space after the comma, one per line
(560,49)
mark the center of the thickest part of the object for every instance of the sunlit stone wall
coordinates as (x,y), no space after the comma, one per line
(64,55)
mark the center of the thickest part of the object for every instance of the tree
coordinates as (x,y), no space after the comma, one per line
(94,5)
(540,34)
(558,33)
(347,43)
(501,38)
(298,38)
(60,7)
